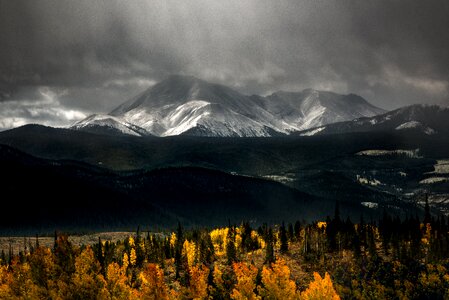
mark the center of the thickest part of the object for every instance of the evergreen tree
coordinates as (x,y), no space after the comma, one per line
(99,255)
(269,247)
(297,230)
(427,216)
(37,241)
(283,238)
(290,232)
(178,249)
(231,252)
(3,258)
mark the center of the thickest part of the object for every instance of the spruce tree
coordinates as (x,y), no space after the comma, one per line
(178,249)
(290,232)
(231,252)
(283,238)
(427,216)
(269,247)
(297,230)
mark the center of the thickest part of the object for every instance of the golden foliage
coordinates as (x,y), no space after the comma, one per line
(87,281)
(153,284)
(131,242)
(276,282)
(125,260)
(321,225)
(132,257)
(198,282)
(173,239)
(189,250)
(320,288)
(219,240)
(246,282)
(117,282)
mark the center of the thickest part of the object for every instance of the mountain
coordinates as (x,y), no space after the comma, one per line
(185,105)
(419,118)
(107,124)
(312,108)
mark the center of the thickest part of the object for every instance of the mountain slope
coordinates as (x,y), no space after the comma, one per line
(185,105)
(425,119)
(182,103)
(312,108)
(107,124)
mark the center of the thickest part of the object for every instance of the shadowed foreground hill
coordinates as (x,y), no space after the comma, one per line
(43,195)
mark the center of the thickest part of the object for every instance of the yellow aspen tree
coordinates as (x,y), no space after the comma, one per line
(88,283)
(246,282)
(132,257)
(22,285)
(219,240)
(5,283)
(42,265)
(131,242)
(125,260)
(198,282)
(117,282)
(153,284)
(276,282)
(189,251)
(320,288)
(173,239)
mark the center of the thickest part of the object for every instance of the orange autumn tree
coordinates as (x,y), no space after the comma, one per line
(276,282)
(117,282)
(88,283)
(320,288)
(5,282)
(198,282)
(246,282)
(21,284)
(153,284)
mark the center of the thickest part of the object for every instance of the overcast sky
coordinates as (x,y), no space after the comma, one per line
(61,60)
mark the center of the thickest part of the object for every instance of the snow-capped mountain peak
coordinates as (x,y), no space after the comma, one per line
(191,106)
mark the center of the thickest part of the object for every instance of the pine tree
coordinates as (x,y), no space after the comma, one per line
(283,238)
(290,232)
(178,249)
(3,258)
(231,252)
(297,230)
(37,241)
(427,215)
(269,247)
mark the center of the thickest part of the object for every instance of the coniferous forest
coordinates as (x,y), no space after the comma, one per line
(390,258)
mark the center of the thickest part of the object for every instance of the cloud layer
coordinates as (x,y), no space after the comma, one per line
(393,53)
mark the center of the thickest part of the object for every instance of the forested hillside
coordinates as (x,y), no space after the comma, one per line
(332,259)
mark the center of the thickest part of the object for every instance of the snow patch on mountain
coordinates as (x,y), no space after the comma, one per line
(312,131)
(416,125)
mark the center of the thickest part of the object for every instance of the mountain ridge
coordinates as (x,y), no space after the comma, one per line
(185,105)
(422,118)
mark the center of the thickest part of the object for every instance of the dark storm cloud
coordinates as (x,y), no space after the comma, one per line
(100,53)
